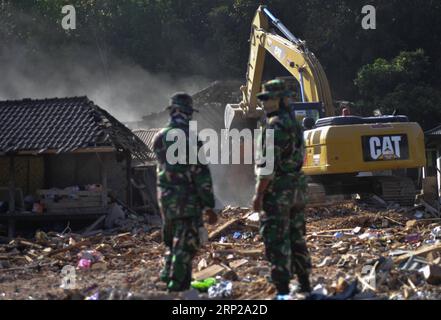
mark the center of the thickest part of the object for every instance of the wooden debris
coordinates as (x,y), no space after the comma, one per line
(394,221)
(68,248)
(422,251)
(365,284)
(29,244)
(250,253)
(209,272)
(94,225)
(238,263)
(222,228)
(432,273)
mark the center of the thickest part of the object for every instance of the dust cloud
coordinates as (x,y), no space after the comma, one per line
(124,89)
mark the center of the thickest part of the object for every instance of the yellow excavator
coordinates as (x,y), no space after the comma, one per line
(344,154)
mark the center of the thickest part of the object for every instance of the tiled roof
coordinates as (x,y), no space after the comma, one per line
(62,125)
(147,135)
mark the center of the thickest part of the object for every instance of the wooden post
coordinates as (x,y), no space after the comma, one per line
(129,179)
(11,185)
(438,168)
(104,179)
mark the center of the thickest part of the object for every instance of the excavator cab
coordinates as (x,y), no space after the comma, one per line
(303,110)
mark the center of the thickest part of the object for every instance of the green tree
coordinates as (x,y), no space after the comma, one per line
(403,83)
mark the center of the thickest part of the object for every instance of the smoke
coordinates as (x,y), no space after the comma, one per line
(124,89)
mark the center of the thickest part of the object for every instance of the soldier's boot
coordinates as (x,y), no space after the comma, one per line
(181,277)
(174,286)
(165,273)
(282,289)
(305,284)
(177,286)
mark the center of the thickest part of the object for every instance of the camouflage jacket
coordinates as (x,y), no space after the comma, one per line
(288,149)
(185,189)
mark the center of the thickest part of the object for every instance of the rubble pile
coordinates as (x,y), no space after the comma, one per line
(358,252)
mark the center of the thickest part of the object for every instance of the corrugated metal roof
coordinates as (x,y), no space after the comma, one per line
(62,125)
(147,135)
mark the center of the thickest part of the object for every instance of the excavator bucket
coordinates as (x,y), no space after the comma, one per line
(235,118)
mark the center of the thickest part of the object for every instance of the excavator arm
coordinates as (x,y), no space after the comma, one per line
(293,55)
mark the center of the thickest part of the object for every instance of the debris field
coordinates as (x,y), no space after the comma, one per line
(358,251)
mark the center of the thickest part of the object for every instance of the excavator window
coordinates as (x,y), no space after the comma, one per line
(302,110)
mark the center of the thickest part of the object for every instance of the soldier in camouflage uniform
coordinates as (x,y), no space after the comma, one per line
(184,193)
(281,196)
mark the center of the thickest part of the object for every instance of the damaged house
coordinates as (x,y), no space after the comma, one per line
(144,175)
(63,158)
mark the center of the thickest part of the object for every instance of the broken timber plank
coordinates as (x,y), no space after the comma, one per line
(222,228)
(94,225)
(77,245)
(251,253)
(419,252)
(29,244)
(238,263)
(209,272)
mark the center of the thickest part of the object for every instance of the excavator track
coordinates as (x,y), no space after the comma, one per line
(317,196)
(395,189)
(391,189)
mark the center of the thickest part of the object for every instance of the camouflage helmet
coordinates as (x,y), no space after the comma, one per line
(274,89)
(183,102)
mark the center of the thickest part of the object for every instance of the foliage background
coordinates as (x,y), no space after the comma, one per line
(382,68)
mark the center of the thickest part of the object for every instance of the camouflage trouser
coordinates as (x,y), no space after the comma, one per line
(182,240)
(283,230)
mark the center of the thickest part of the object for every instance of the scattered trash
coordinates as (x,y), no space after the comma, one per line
(221,290)
(419,214)
(202,264)
(94,297)
(413,238)
(346,239)
(338,235)
(84,264)
(436,233)
(87,258)
(255,217)
(341,286)
(432,274)
(223,240)
(320,290)
(326,262)
(369,235)
(414,263)
(41,237)
(203,285)
(237,235)
(411,224)
(247,235)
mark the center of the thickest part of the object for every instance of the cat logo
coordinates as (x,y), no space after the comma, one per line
(384,148)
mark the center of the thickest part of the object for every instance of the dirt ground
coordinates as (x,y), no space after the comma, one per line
(342,240)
